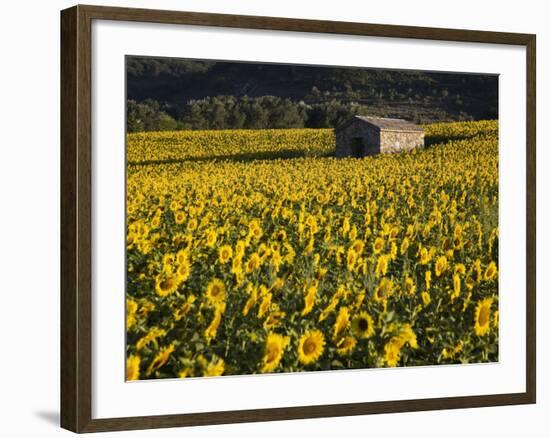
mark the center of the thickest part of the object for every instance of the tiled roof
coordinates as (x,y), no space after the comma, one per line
(386,124)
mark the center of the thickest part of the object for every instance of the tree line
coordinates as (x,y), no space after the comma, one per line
(265,112)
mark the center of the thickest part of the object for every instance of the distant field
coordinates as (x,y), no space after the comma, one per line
(231,144)
(241,263)
(267,143)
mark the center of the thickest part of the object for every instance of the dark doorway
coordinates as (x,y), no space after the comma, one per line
(358,147)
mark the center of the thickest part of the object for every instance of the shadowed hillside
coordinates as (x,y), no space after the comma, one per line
(168,94)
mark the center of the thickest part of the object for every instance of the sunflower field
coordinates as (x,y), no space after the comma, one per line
(258,252)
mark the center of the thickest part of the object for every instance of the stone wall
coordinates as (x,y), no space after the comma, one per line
(395,141)
(345,139)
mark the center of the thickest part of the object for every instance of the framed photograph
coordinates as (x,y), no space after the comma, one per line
(270,218)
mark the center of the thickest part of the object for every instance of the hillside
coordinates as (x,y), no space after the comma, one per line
(228,95)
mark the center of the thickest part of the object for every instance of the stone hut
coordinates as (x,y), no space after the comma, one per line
(362,136)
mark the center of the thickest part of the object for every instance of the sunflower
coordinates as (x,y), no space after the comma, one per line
(309,299)
(132,367)
(225,253)
(345,226)
(477,270)
(145,307)
(215,291)
(151,336)
(212,329)
(353,233)
(168,260)
(456,287)
(392,351)
(341,323)
(368,218)
(404,245)
(470,282)
(331,306)
(451,352)
(182,256)
(410,287)
(253,263)
(394,231)
(320,273)
(457,242)
(351,258)
(428,279)
(276,260)
(310,245)
(382,265)
(280,235)
(236,265)
(360,297)
(440,265)
(274,246)
(393,251)
(265,304)
(274,318)
(240,248)
(214,368)
(425,256)
(166,284)
(192,225)
(358,246)
(179,217)
(378,245)
(460,269)
(274,349)
(131,309)
(174,205)
(155,222)
(482,316)
(363,325)
(256,233)
(328,234)
(185,308)
(290,253)
(338,252)
(252,298)
(131,238)
(346,345)
(311,346)
(384,290)
(211,238)
(252,223)
(457,231)
(185,372)
(277,285)
(184,270)
(426,299)
(490,272)
(264,252)
(408,336)
(311,222)
(160,359)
